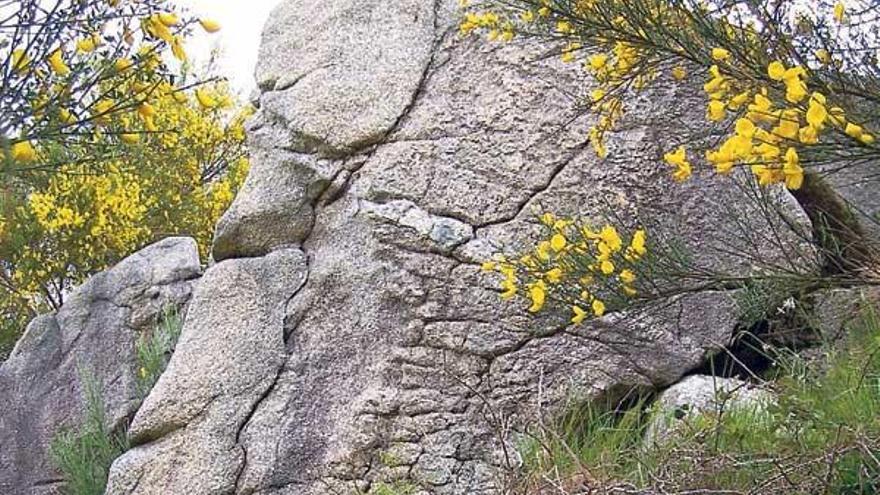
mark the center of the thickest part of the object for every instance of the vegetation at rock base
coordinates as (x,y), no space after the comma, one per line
(84,454)
(586,437)
(820,435)
(154,348)
(108,142)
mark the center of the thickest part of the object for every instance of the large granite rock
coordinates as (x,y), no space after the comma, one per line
(93,333)
(348,339)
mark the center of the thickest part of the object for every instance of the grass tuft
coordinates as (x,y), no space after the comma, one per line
(154,348)
(84,455)
(595,440)
(821,435)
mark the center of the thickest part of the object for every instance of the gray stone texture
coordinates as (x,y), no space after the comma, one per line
(229,355)
(857,184)
(341,73)
(834,309)
(94,333)
(701,394)
(349,339)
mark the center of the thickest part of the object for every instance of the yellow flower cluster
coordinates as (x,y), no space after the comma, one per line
(678,159)
(96,211)
(771,124)
(584,269)
(112,119)
(23,151)
(85,216)
(775,110)
(193,140)
(59,74)
(839,12)
(496,28)
(82,216)
(614,66)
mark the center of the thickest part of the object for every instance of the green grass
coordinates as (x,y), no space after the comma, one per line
(598,437)
(822,435)
(8,338)
(154,348)
(84,455)
(12,326)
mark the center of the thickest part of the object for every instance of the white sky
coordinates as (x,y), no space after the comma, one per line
(238,41)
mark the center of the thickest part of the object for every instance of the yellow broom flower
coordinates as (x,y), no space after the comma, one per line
(206,100)
(23,151)
(210,25)
(57,63)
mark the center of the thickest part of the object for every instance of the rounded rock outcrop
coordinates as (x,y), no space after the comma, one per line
(92,335)
(347,340)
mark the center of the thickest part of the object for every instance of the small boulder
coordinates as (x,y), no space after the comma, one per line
(94,333)
(701,394)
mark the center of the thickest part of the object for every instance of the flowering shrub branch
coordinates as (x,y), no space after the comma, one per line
(792,88)
(69,69)
(790,83)
(575,266)
(107,142)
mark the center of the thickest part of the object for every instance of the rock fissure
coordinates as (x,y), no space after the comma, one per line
(535,193)
(253,410)
(284,85)
(242,467)
(424,76)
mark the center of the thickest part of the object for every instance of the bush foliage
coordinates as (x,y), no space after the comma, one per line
(108,144)
(84,454)
(154,349)
(790,98)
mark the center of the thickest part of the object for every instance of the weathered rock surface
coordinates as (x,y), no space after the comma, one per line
(93,333)
(341,73)
(702,394)
(380,353)
(857,184)
(229,355)
(835,310)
